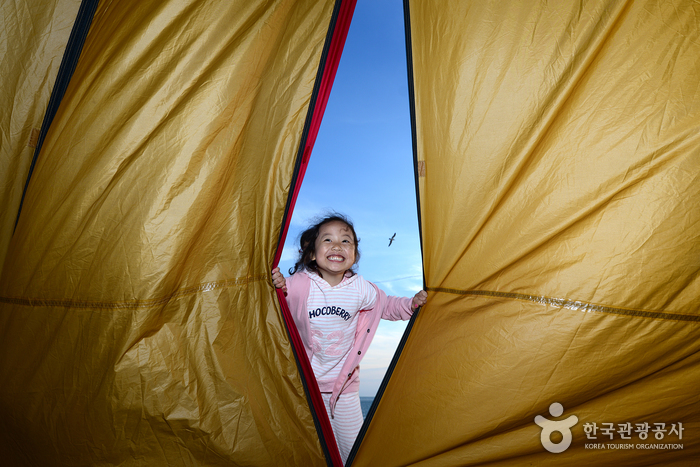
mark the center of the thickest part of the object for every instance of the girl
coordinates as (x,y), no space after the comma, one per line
(337,313)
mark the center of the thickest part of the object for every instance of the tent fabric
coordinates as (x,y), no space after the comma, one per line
(557,157)
(139,324)
(29,65)
(559,144)
(74,47)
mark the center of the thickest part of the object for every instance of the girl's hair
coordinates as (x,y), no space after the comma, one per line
(307,244)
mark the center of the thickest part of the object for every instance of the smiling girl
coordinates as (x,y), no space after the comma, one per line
(337,312)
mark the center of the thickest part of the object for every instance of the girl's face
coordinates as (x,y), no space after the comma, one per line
(334,251)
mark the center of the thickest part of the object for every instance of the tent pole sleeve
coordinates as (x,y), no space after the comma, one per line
(333,49)
(412,109)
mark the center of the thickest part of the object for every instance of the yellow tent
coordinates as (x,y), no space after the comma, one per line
(557,157)
(139,324)
(558,154)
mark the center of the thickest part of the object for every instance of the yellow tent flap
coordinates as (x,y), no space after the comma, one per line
(139,325)
(560,150)
(33,40)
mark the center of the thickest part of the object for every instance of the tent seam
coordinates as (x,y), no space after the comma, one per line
(576,305)
(134,304)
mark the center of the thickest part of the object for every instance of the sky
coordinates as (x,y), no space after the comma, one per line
(362,166)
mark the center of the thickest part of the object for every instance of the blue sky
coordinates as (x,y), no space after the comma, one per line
(362,166)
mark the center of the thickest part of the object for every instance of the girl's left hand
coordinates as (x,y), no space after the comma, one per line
(419,299)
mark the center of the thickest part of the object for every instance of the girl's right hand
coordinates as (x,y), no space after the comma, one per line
(278,280)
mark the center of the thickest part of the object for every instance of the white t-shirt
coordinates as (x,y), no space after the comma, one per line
(333,314)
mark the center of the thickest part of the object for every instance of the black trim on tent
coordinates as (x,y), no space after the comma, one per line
(412,107)
(287,209)
(409,326)
(65,72)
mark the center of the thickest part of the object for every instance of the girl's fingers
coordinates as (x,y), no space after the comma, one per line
(420,299)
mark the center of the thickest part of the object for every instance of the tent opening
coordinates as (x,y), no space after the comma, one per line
(362,166)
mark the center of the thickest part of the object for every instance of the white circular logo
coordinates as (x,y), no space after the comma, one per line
(550,426)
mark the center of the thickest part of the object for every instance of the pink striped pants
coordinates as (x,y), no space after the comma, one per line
(347,420)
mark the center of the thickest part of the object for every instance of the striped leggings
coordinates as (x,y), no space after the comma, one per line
(347,420)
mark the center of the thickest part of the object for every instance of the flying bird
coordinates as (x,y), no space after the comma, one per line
(391,240)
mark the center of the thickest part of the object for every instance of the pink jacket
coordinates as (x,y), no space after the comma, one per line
(385,307)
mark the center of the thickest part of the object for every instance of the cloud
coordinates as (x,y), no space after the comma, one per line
(379,356)
(384,344)
(370,380)
(289,253)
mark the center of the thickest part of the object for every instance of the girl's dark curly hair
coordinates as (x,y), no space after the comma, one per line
(307,244)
